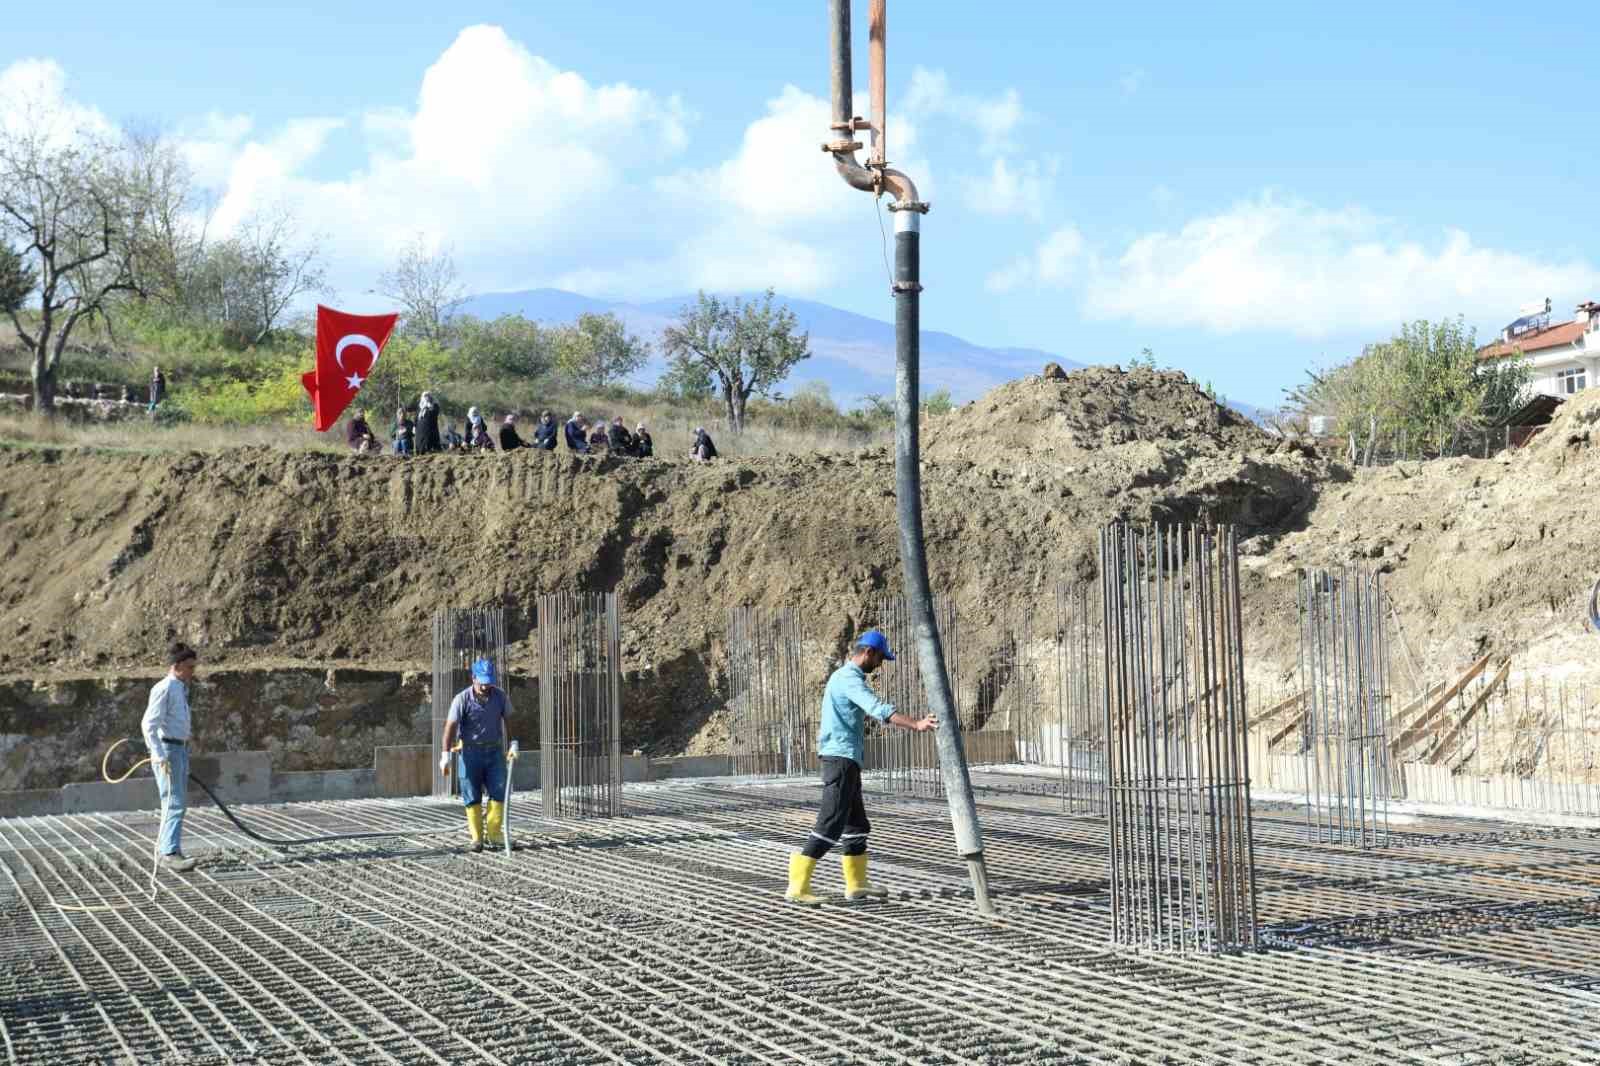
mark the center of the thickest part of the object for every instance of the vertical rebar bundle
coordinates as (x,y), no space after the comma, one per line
(461,636)
(1182,858)
(910,761)
(1344,668)
(774,715)
(1080,748)
(1007,697)
(580,705)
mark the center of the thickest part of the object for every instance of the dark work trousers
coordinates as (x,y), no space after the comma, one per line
(843,818)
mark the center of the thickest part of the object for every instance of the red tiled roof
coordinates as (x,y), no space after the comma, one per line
(1554,337)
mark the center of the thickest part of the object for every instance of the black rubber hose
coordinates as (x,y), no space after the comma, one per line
(283,842)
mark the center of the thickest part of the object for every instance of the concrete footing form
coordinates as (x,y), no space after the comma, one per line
(662,937)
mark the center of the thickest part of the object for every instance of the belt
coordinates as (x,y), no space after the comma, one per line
(480,743)
(169,740)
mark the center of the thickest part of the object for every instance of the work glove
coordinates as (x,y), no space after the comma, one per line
(444,764)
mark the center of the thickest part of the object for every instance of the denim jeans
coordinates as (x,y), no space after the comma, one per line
(174,789)
(481,770)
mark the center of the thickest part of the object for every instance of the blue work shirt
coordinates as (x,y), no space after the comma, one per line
(845,703)
(478,721)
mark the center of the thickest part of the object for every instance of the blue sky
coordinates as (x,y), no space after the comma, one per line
(1248,193)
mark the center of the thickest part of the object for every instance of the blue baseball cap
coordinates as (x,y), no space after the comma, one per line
(483,672)
(874,639)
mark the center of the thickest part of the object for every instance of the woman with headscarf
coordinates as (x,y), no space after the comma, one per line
(477,431)
(643,446)
(403,432)
(510,440)
(428,425)
(600,437)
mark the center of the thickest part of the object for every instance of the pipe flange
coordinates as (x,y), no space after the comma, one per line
(900,287)
(837,147)
(919,206)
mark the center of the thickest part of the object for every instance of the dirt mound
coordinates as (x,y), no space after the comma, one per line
(1087,410)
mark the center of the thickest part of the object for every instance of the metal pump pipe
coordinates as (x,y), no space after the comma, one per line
(878,178)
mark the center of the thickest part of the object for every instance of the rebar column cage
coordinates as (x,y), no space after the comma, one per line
(909,762)
(461,636)
(1344,671)
(580,706)
(1181,855)
(1080,740)
(774,710)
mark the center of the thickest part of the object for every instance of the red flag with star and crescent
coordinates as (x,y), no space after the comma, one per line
(347,350)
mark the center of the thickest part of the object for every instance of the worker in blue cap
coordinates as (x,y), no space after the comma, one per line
(478,721)
(842,819)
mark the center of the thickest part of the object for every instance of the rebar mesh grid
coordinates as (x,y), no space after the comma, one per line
(773,701)
(909,762)
(580,705)
(1080,694)
(1344,672)
(461,636)
(1181,854)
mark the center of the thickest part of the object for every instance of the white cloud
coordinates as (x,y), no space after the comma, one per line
(33,94)
(1133,80)
(1285,265)
(1059,261)
(995,118)
(1020,189)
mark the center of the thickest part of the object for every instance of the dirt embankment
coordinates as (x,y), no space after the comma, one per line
(259,555)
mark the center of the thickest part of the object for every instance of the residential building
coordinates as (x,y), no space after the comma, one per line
(1565,356)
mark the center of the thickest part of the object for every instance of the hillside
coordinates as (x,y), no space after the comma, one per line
(261,555)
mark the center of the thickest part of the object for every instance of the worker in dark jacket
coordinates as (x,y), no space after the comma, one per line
(509,439)
(428,425)
(643,446)
(577,433)
(544,434)
(618,437)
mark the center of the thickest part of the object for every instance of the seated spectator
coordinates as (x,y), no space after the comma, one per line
(478,431)
(403,433)
(428,425)
(600,436)
(453,440)
(509,439)
(577,433)
(643,446)
(359,435)
(620,441)
(544,434)
(702,450)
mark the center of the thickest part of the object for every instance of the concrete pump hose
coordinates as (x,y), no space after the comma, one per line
(1594,607)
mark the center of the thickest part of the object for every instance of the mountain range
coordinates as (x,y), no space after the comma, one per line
(852,354)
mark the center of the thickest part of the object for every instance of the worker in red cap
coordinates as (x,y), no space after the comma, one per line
(842,819)
(478,720)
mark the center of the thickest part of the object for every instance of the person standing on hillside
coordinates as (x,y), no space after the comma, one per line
(842,818)
(158,387)
(544,434)
(577,433)
(428,425)
(166,729)
(478,720)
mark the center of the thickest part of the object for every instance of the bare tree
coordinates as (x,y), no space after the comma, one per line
(69,203)
(747,347)
(248,281)
(426,285)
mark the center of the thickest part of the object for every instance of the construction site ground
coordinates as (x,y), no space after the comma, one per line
(661,936)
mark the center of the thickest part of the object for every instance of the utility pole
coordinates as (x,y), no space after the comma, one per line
(876,177)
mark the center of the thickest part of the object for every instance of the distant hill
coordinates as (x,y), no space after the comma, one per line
(851,353)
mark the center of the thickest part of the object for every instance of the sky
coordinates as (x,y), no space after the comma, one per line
(1249,193)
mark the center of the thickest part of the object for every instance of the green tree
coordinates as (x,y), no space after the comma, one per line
(746,347)
(685,382)
(876,407)
(937,402)
(508,346)
(17,280)
(598,351)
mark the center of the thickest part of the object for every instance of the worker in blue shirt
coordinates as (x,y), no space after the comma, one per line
(842,819)
(478,719)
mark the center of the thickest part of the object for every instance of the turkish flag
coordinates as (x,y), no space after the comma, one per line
(347,349)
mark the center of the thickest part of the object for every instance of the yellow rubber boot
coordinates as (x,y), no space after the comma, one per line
(856,885)
(800,869)
(475,826)
(494,825)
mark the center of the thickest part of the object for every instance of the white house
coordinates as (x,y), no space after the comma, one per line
(1565,357)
